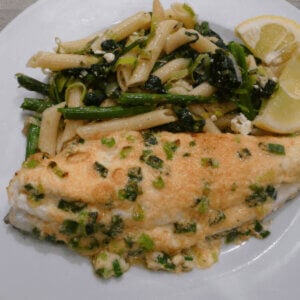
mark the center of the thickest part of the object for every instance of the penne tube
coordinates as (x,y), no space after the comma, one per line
(49,129)
(182,13)
(120,31)
(78,45)
(175,65)
(194,38)
(154,49)
(58,62)
(138,122)
(158,12)
(73,99)
(203,89)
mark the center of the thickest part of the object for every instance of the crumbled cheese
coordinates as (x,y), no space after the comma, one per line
(99,52)
(213,118)
(109,57)
(240,124)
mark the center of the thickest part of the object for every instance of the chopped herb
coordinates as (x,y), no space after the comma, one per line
(115,227)
(36,194)
(166,261)
(36,232)
(108,141)
(209,162)
(151,160)
(185,228)
(202,204)
(73,206)
(273,148)
(138,213)
(135,174)
(244,153)
(186,154)
(260,195)
(217,217)
(117,268)
(129,241)
(31,163)
(130,138)
(130,192)
(146,242)
(103,171)
(188,258)
(258,227)
(158,183)
(192,144)
(233,187)
(149,138)
(125,151)
(170,148)
(57,170)
(69,227)
(232,236)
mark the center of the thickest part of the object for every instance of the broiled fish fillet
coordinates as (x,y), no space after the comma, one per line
(162,199)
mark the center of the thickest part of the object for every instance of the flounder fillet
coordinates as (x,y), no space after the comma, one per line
(163,199)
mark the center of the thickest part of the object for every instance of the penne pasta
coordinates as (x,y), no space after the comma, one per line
(203,89)
(187,36)
(153,49)
(139,122)
(182,13)
(73,99)
(58,62)
(120,31)
(158,12)
(175,65)
(49,129)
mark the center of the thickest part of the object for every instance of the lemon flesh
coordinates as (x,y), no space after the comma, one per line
(281,113)
(272,39)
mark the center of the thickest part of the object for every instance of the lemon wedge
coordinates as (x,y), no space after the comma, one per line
(273,39)
(281,113)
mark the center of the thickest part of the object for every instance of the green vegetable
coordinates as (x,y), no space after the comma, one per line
(69,227)
(244,153)
(209,162)
(32,139)
(149,138)
(94,98)
(125,151)
(130,192)
(166,261)
(146,242)
(260,195)
(101,113)
(153,99)
(151,160)
(135,174)
(73,206)
(115,227)
(37,105)
(202,204)
(170,148)
(217,217)
(35,193)
(158,183)
(117,268)
(258,227)
(273,148)
(154,84)
(57,170)
(32,84)
(185,228)
(30,163)
(102,170)
(108,141)
(138,213)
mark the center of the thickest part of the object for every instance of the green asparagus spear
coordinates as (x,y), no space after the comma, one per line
(152,99)
(32,139)
(32,84)
(38,105)
(100,113)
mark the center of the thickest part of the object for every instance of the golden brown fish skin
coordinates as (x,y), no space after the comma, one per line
(202,165)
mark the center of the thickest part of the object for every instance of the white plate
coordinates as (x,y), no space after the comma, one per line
(35,270)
